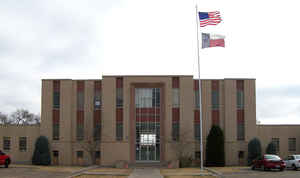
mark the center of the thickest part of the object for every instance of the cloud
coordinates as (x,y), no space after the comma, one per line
(85,39)
(279,105)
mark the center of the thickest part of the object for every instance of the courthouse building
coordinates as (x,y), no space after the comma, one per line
(137,119)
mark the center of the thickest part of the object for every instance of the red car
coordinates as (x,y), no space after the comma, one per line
(267,162)
(4,159)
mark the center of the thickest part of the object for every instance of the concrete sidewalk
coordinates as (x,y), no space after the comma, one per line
(145,173)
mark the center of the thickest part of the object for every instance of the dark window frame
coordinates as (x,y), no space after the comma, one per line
(79,154)
(292,144)
(55,153)
(79,132)
(22,143)
(240,131)
(56,99)
(55,131)
(240,99)
(175,131)
(197,155)
(176,91)
(97,100)
(276,142)
(215,99)
(97,154)
(97,132)
(119,131)
(80,100)
(197,103)
(6,143)
(119,97)
(197,131)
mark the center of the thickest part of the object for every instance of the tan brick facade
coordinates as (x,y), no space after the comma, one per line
(112,150)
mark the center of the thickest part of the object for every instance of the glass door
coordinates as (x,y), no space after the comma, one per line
(147,102)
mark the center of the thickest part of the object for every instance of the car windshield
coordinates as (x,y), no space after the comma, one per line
(297,156)
(273,157)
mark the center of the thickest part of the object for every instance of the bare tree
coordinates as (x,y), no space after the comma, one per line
(37,119)
(91,144)
(4,119)
(182,145)
(24,117)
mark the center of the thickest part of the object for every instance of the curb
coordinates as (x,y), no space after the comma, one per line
(188,174)
(77,173)
(218,174)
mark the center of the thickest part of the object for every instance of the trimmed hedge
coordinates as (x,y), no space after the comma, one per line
(41,155)
(215,154)
(271,149)
(254,150)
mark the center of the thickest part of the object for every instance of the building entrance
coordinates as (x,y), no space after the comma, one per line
(147,104)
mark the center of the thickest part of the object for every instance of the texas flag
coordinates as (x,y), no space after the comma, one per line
(212,40)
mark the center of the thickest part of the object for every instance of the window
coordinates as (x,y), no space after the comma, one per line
(80,111)
(56,94)
(119,131)
(22,144)
(119,97)
(240,99)
(56,102)
(276,143)
(80,100)
(292,144)
(6,143)
(55,154)
(197,98)
(215,100)
(97,95)
(147,97)
(143,98)
(175,131)
(97,100)
(241,131)
(240,125)
(97,155)
(119,90)
(241,154)
(176,98)
(175,124)
(97,132)
(197,155)
(197,131)
(80,130)
(79,154)
(155,97)
(55,131)
(55,111)
(80,125)
(55,124)
(240,94)
(119,109)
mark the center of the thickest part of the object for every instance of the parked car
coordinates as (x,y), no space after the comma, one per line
(293,161)
(267,162)
(4,159)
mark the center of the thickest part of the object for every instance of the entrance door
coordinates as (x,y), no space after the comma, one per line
(147,102)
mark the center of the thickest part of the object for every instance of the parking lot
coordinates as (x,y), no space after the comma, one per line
(248,173)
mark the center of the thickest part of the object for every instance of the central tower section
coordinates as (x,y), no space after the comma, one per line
(147,124)
(147,111)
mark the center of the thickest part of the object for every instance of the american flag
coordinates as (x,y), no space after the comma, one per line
(209,18)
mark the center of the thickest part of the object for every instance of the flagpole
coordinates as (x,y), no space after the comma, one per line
(199,87)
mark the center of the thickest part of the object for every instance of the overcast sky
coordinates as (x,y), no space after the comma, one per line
(90,38)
